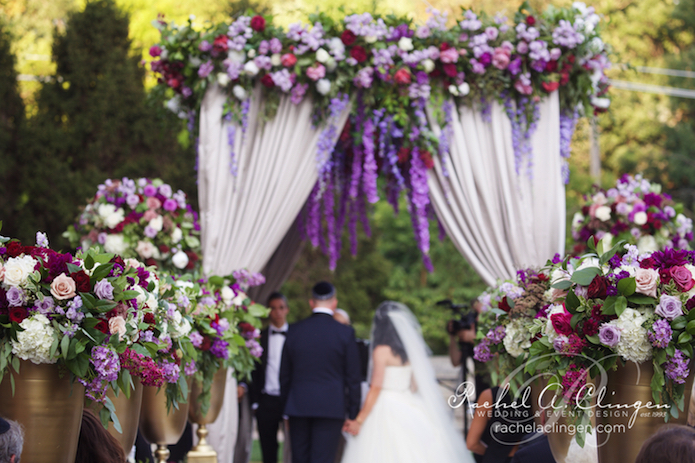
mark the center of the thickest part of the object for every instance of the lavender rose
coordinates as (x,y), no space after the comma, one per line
(609,335)
(104,290)
(669,307)
(15,297)
(647,280)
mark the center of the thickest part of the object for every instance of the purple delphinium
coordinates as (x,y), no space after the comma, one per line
(369,177)
(196,339)
(481,352)
(190,368)
(568,121)
(677,367)
(219,348)
(661,335)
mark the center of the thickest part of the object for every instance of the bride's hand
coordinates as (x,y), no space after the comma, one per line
(351,427)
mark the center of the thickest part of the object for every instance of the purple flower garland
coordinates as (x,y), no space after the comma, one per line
(231,138)
(568,122)
(522,130)
(370,175)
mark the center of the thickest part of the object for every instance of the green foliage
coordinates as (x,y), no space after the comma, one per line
(94,122)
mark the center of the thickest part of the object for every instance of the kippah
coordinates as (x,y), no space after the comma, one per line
(323,291)
(4,426)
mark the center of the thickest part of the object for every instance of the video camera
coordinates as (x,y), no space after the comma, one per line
(464,317)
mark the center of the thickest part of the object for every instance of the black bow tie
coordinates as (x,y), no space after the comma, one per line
(284,333)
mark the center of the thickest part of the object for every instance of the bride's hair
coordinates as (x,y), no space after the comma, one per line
(383,331)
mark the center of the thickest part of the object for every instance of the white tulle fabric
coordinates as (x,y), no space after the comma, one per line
(407,426)
(499,220)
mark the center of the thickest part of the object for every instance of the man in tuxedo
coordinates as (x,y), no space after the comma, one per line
(320,379)
(265,379)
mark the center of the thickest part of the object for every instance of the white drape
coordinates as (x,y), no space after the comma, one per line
(499,220)
(245,216)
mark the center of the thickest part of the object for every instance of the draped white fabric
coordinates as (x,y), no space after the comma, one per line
(499,220)
(244,217)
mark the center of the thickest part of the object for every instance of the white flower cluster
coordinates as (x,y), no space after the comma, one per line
(634,344)
(517,338)
(17,270)
(34,343)
(549,328)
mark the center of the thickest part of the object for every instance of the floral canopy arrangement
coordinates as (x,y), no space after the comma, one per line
(224,325)
(396,71)
(142,219)
(89,313)
(634,211)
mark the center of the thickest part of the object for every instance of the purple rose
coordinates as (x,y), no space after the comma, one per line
(46,306)
(170,205)
(609,335)
(150,232)
(205,46)
(149,190)
(15,297)
(560,343)
(669,307)
(515,66)
(422,78)
(485,59)
(155,51)
(132,201)
(104,290)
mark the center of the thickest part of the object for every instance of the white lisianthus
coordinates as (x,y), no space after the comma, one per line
(176,235)
(34,343)
(331,64)
(151,301)
(223,79)
(453,89)
(115,244)
(251,53)
(183,328)
(239,298)
(165,54)
(145,249)
(640,218)
(323,86)
(110,215)
(227,295)
(577,219)
(157,223)
(607,241)
(195,61)
(517,338)
(427,65)
(18,269)
(647,243)
(634,344)
(464,89)
(322,56)
(250,68)
(603,213)
(276,59)
(174,104)
(370,39)
(405,44)
(236,56)
(239,92)
(180,260)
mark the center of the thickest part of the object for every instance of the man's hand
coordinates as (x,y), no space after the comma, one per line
(351,427)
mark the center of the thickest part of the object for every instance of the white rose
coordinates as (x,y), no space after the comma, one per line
(603,213)
(331,64)
(602,103)
(577,219)
(427,65)
(464,89)
(145,249)
(151,301)
(640,218)
(180,260)
(239,92)
(607,241)
(236,56)
(276,59)
(589,262)
(115,244)
(405,44)
(250,68)
(183,284)
(647,243)
(194,61)
(223,79)
(322,56)
(453,89)
(183,328)
(323,86)
(18,269)
(176,235)
(157,223)
(251,53)
(370,39)
(227,295)
(239,299)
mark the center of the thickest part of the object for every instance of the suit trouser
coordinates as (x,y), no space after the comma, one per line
(268,420)
(314,440)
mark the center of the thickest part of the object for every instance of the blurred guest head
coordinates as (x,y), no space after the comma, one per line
(96,444)
(342,316)
(671,444)
(11,441)
(277,303)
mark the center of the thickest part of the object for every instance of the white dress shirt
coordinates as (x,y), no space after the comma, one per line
(272,370)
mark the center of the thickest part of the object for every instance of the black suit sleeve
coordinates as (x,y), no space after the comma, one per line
(352,376)
(285,372)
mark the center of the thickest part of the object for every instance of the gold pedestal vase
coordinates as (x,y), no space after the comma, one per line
(159,426)
(128,413)
(49,407)
(624,430)
(203,452)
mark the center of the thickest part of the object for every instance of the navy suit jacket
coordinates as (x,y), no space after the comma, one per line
(320,370)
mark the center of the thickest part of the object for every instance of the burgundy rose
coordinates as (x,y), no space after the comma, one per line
(683,278)
(192,259)
(530,20)
(597,287)
(665,275)
(348,38)
(550,86)
(444,46)
(268,81)
(504,305)
(258,23)
(562,323)
(14,248)
(206,344)
(359,54)
(450,69)
(402,76)
(427,159)
(151,262)
(102,326)
(690,304)
(590,327)
(149,319)
(564,78)
(17,314)
(551,66)
(403,154)
(82,283)
(220,44)
(163,248)
(647,263)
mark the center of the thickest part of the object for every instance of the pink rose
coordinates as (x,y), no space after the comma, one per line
(523,88)
(449,56)
(647,280)
(683,278)
(288,60)
(153,203)
(149,215)
(63,287)
(316,72)
(117,326)
(501,58)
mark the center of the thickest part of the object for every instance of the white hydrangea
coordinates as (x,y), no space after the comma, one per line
(18,269)
(180,326)
(634,344)
(517,339)
(34,343)
(115,244)
(110,215)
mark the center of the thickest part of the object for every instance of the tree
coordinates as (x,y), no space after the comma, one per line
(94,122)
(11,125)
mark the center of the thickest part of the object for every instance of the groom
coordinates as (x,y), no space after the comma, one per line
(319,379)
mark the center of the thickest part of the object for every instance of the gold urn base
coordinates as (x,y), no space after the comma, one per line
(203,452)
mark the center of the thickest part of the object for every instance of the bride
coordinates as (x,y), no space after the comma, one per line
(404,417)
